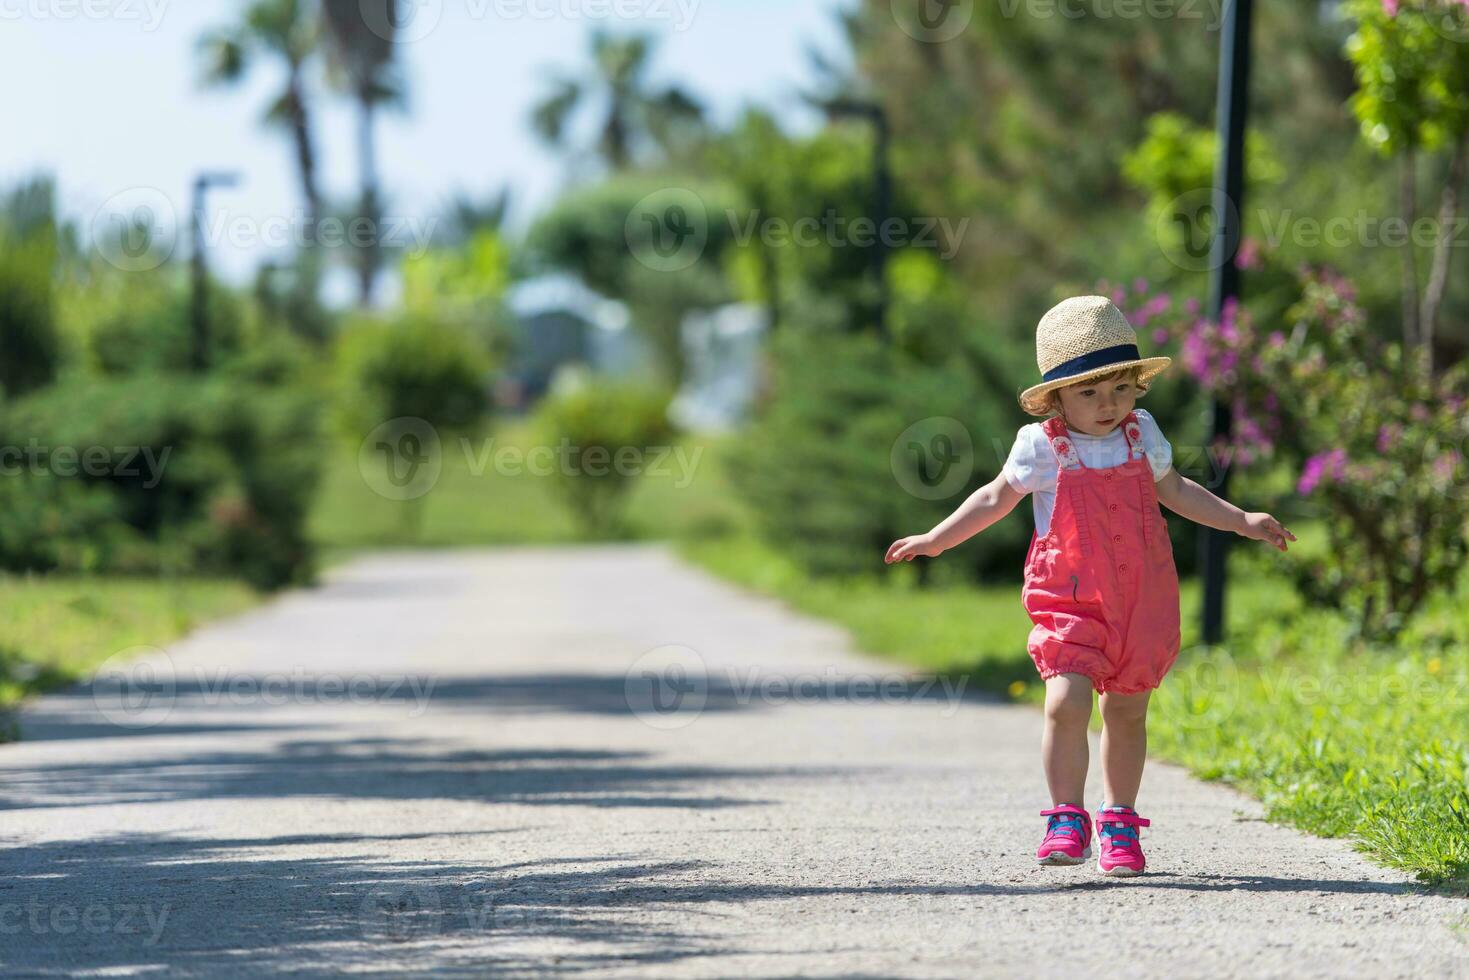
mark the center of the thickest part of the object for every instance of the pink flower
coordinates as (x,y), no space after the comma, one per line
(1160,335)
(1248,254)
(1276,339)
(1387,434)
(1331,465)
(1191,306)
(1391,7)
(1227,318)
(1140,285)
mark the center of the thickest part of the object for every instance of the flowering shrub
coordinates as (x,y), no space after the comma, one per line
(1377,443)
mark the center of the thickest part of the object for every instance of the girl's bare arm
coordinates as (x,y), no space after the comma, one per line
(982,508)
(1185,497)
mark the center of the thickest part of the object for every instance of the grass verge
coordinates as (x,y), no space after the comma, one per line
(487,494)
(57,629)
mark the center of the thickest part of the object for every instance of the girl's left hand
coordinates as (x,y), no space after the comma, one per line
(1260,526)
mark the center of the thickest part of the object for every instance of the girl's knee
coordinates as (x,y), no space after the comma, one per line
(1124,708)
(1069,699)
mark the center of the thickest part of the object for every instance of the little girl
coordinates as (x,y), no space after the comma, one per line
(1100,584)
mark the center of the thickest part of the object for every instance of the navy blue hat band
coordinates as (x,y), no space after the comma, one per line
(1095,359)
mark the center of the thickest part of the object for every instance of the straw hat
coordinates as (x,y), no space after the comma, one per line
(1080,338)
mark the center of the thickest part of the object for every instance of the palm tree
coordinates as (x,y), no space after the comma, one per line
(669,118)
(363,34)
(463,216)
(286,30)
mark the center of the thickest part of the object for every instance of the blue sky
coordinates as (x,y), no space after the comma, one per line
(110,101)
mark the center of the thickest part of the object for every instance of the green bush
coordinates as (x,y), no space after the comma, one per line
(416,367)
(862,444)
(213,474)
(48,523)
(30,350)
(116,323)
(611,430)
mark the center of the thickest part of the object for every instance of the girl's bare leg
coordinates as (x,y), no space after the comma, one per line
(1064,740)
(1124,745)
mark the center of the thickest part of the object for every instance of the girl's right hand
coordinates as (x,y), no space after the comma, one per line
(906,549)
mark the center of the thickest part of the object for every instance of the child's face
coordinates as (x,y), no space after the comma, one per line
(1097,406)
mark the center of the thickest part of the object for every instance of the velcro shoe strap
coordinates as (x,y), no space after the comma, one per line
(1112,816)
(1066,808)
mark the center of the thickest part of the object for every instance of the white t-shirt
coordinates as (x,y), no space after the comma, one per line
(1031,467)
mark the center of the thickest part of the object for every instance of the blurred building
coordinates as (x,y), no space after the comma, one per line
(722,353)
(560,324)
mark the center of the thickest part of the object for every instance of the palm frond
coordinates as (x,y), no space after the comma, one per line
(549,116)
(224,56)
(621,61)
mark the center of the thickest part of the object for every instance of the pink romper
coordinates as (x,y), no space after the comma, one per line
(1100,585)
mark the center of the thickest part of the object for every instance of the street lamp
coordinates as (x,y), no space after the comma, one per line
(882,181)
(199,275)
(1228,208)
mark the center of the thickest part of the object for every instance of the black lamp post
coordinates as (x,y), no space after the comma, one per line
(882,182)
(199,275)
(1228,208)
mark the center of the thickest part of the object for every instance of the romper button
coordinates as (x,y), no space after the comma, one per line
(1122,567)
(1113,507)
(1109,476)
(1116,537)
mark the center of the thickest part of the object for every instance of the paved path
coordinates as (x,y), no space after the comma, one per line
(792,809)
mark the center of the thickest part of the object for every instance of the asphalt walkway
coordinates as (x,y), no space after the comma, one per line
(601,761)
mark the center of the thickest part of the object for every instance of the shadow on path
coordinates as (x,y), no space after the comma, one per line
(273,914)
(383,769)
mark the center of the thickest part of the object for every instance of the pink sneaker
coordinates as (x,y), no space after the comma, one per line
(1119,853)
(1068,836)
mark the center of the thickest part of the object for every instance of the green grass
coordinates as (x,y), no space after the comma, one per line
(1338,738)
(58,628)
(476,503)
